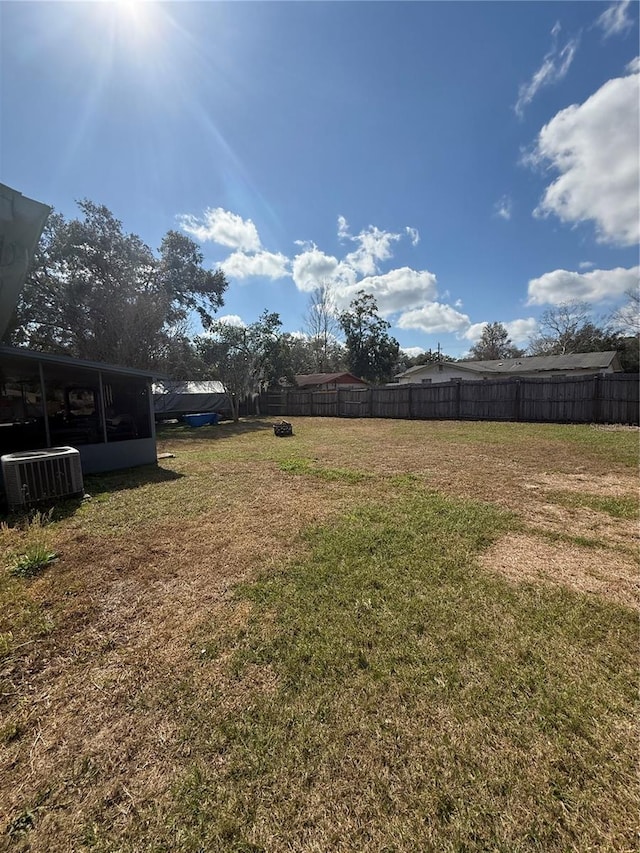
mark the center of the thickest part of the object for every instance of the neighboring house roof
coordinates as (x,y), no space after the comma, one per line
(308,379)
(67,361)
(531,364)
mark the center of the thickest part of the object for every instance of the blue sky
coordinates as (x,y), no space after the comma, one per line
(464,162)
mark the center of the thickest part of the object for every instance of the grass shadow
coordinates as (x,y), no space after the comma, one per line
(94,485)
(226,429)
(128,478)
(63,508)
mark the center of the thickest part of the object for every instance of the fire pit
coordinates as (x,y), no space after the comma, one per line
(282,428)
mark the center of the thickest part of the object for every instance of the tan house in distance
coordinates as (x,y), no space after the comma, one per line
(328,381)
(538,366)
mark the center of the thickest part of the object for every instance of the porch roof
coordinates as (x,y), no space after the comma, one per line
(67,361)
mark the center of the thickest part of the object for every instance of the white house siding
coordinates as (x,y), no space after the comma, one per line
(450,371)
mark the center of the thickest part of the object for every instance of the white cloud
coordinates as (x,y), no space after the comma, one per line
(633,67)
(222,227)
(312,268)
(414,235)
(373,246)
(396,290)
(518,330)
(343,228)
(521,330)
(266,264)
(554,288)
(307,245)
(434,317)
(586,265)
(232,320)
(503,207)
(412,352)
(615,19)
(553,69)
(474,332)
(594,146)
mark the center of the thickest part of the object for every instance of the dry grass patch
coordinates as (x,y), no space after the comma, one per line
(620,484)
(581,526)
(522,557)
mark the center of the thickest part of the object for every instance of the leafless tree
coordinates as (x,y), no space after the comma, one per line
(321,325)
(627,318)
(559,327)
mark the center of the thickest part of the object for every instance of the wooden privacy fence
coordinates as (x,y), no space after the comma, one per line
(600,398)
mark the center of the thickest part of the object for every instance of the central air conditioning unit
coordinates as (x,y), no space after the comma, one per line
(32,476)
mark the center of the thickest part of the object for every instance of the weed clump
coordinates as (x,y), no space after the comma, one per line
(36,554)
(35,558)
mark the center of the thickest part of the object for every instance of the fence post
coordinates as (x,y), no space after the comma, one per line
(458,396)
(516,402)
(410,402)
(596,398)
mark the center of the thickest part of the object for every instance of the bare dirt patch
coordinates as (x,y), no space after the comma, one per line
(522,557)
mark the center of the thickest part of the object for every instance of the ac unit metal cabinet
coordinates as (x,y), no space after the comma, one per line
(32,476)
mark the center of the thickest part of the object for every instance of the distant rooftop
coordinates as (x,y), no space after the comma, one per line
(532,363)
(344,378)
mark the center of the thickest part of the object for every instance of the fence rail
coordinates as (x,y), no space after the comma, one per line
(600,398)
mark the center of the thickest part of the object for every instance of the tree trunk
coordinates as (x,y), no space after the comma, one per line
(234,405)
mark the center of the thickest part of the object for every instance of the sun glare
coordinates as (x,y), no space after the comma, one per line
(134,18)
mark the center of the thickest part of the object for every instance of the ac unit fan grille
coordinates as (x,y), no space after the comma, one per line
(42,476)
(50,478)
